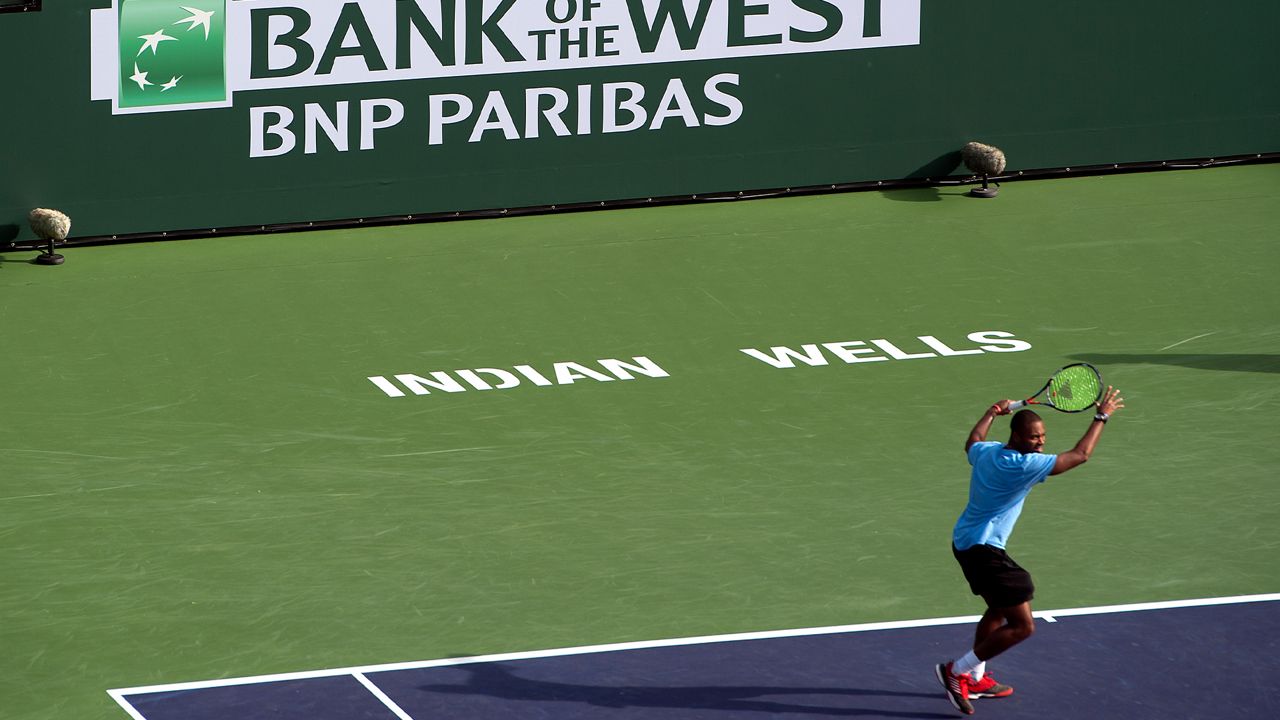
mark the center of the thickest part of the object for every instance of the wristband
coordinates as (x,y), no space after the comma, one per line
(1101,417)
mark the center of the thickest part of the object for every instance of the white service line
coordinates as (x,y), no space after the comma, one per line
(358,672)
(377,692)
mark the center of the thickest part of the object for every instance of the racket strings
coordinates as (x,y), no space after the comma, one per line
(1074,388)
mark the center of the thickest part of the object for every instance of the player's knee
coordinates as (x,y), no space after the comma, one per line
(1024,630)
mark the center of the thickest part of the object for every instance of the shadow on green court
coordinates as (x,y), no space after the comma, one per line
(926,194)
(1232,362)
(500,683)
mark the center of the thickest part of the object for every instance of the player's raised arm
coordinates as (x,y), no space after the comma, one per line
(979,432)
(1110,402)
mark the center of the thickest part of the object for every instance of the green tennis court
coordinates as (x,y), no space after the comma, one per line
(202,481)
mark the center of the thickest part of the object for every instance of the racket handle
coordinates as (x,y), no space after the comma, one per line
(1017,404)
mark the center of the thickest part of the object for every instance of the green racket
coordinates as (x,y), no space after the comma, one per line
(1075,388)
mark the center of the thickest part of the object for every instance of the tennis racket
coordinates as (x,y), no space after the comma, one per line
(1075,388)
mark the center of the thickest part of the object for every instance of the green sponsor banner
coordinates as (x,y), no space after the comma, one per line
(172,53)
(296,111)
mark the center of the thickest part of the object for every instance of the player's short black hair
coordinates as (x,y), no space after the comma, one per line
(1022,420)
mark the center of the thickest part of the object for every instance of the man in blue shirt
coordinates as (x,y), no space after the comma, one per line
(1003,474)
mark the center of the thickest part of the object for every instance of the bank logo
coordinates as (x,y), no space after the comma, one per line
(172,54)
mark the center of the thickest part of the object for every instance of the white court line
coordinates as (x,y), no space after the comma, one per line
(118,696)
(377,692)
(438,452)
(358,672)
(1180,342)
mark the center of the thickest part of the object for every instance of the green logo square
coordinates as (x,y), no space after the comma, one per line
(172,52)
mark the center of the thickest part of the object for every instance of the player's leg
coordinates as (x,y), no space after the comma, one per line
(983,684)
(995,634)
(1007,589)
(991,621)
(955,682)
(1018,625)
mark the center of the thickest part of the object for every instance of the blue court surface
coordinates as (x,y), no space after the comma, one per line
(1213,658)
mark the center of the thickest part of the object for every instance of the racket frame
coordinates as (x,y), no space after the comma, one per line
(1018,404)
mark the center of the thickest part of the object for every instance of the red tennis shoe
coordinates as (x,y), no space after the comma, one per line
(957,687)
(987,687)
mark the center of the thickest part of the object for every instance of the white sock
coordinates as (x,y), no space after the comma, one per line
(965,664)
(979,670)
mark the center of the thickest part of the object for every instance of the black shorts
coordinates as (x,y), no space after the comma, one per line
(995,576)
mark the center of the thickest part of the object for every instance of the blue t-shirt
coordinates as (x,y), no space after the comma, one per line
(998,486)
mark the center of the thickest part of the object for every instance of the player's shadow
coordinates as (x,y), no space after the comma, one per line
(495,681)
(1230,362)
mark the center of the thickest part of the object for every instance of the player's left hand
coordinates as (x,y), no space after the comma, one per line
(1111,401)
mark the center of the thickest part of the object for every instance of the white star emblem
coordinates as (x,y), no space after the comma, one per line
(173,83)
(140,77)
(153,41)
(197,19)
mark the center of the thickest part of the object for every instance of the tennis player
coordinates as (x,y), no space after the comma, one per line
(1003,474)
